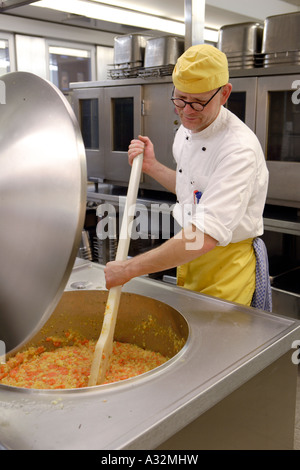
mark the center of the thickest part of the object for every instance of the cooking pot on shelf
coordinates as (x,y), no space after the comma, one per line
(129,50)
(163,50)
(242,44)
(281,49)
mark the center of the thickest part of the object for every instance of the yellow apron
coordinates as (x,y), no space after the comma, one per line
(226,272)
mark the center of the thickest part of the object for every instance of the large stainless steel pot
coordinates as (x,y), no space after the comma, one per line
(228,377)
(43,199)
(141,320)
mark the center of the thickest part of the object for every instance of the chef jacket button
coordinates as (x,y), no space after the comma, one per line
(187,138)
(180,170)
(203,148)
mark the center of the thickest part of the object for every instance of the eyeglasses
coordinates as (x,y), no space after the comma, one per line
(180,103)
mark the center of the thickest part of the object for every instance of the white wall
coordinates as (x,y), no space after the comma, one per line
(31,55)
(32,27)
(31,38)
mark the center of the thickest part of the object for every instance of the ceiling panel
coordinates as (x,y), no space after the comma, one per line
(293,2)
(217,12)
(8,4)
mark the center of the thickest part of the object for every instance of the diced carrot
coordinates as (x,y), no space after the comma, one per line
(13,372)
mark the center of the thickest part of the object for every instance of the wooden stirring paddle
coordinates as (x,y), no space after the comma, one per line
(104,344)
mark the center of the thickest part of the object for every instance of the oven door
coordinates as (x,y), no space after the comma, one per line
(88,106)
(123,122)
(242,101)
(278,129)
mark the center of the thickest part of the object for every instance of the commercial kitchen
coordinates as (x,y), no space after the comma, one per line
(76,85)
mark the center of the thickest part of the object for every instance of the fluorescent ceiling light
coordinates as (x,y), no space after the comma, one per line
(121,16)
(114,15)
(69,52)
(211,35)
(155,10)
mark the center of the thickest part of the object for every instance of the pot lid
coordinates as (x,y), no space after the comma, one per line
(42,202)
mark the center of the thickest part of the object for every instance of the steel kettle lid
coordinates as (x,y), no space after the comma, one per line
(42,208)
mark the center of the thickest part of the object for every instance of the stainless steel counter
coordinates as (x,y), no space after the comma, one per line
(117,194)
(228,347)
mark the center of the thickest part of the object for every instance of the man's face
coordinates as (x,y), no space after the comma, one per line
(197,121)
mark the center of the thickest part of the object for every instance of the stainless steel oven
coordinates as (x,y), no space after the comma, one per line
(278,129)
(111,113)
(242,100)
(109,118)
(88,105)
(122,121)
(114,112)
(271,97)
(267,101)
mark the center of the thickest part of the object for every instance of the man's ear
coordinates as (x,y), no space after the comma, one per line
(225,93)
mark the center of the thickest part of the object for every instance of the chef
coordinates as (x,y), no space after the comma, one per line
(220,183)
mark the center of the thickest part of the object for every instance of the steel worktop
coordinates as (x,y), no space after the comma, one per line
(229,346)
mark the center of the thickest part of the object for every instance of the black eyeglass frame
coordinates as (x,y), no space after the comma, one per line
(191,103)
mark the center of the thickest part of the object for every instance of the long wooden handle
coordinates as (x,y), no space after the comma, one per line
(104,344)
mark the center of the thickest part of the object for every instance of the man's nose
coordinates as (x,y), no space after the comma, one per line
(188,109)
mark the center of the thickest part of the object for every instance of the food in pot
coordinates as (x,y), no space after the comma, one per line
(67,362)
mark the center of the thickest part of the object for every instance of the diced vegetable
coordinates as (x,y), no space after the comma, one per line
(67,364)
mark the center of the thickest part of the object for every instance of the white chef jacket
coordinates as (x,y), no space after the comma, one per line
(225,163)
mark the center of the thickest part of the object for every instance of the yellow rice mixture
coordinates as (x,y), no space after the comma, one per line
(68,362)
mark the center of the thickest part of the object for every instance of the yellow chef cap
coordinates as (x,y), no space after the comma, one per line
(200,68)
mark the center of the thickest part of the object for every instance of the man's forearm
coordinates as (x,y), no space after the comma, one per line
(164,176)
(188,245)
(181,249)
